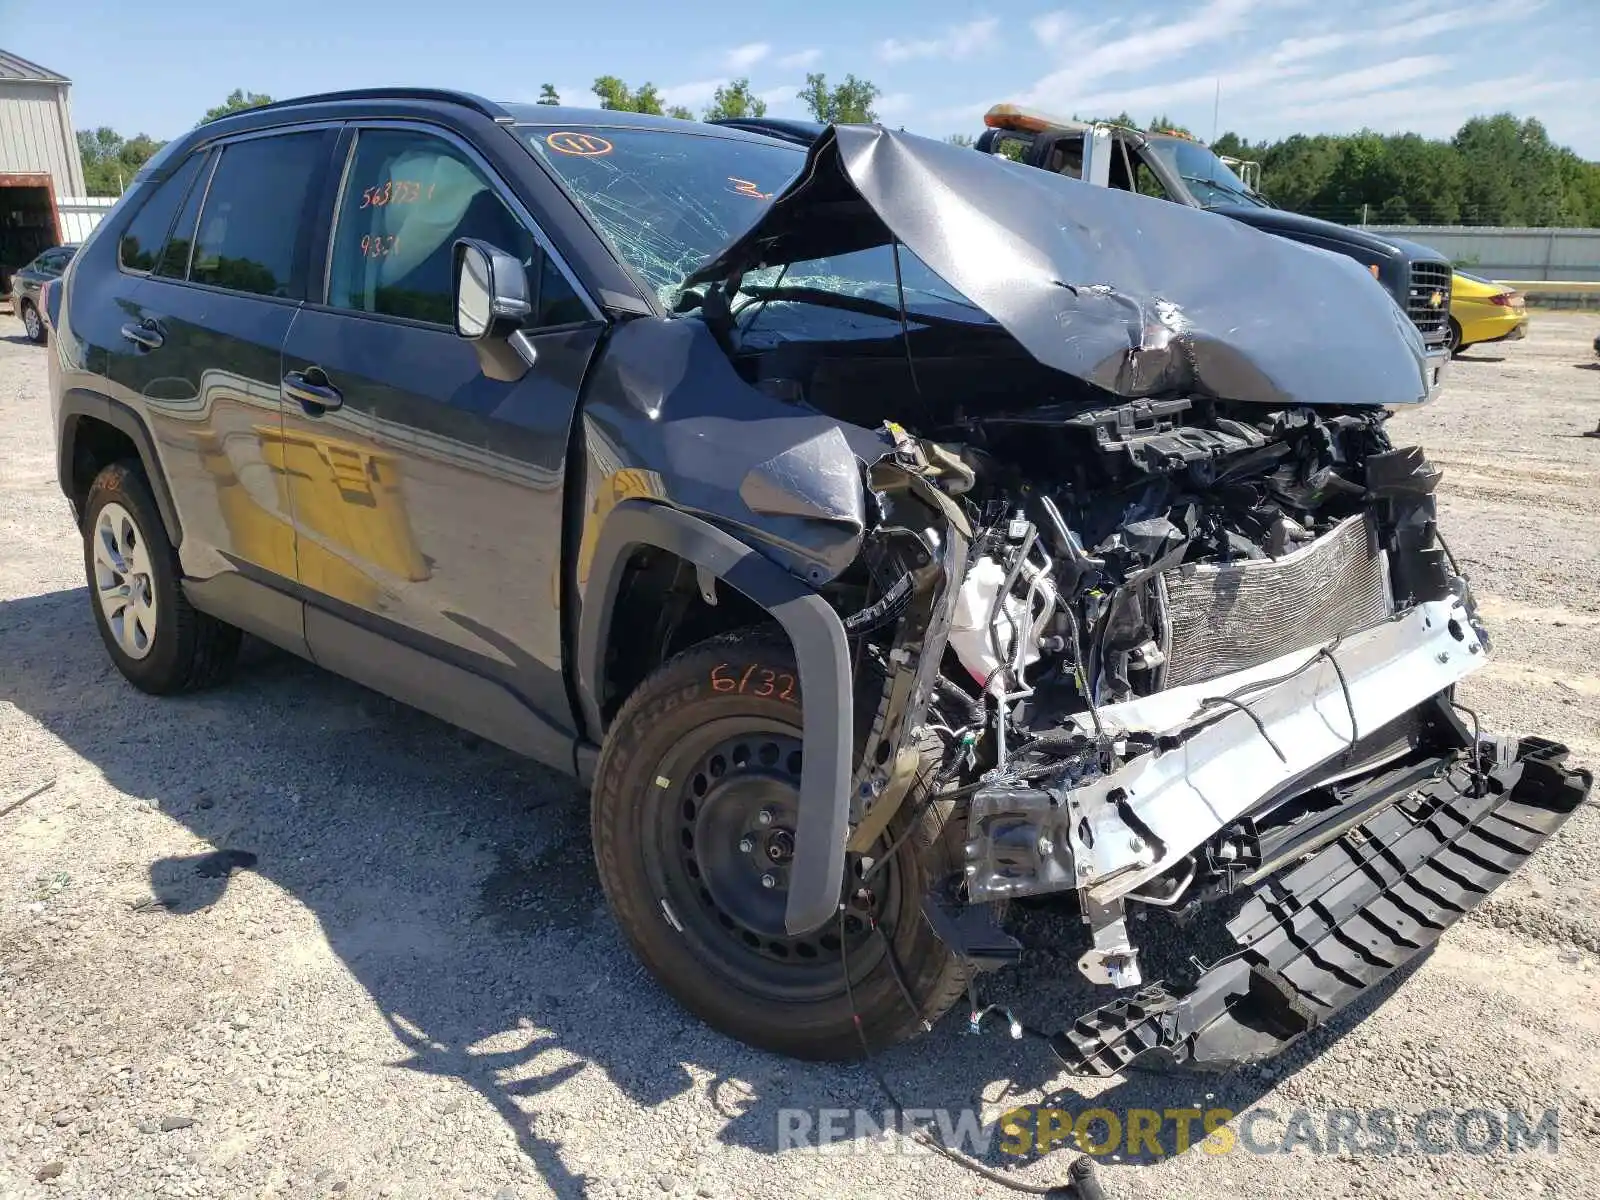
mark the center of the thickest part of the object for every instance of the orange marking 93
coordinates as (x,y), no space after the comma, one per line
(584,145)
(752,679)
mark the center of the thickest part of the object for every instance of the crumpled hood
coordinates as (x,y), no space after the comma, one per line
(1136,295)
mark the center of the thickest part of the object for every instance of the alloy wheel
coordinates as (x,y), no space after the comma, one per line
(124,585)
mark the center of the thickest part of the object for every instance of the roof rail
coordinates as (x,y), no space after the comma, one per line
(445,95)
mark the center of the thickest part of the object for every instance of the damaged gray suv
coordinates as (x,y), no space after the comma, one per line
(884,533)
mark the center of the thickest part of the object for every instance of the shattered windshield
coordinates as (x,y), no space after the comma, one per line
(666,200)
(1208,177)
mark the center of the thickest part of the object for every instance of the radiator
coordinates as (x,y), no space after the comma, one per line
(1227,618)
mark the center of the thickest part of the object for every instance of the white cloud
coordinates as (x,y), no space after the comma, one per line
(783,101)
(1409,24)
(957,42)
(895,104)
(1052,28)
(800,59)
(1430,110)
(691,95)
(742,58)
(1136,52)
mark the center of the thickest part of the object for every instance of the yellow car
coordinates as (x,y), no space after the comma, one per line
(1482,310)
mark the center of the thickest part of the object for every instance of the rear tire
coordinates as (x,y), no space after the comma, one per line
(1453,339)
(701,752)
(33,324)
(159,641)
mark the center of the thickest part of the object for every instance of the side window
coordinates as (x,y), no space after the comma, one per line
(254,214)
(407,197)
(1066,157)
(174,260)
(1013,146)
(1146,181)
(148,229)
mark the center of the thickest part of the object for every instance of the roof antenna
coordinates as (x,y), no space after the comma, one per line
(905,326)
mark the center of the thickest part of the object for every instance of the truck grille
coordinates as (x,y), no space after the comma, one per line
(1427,280)
(1229,618)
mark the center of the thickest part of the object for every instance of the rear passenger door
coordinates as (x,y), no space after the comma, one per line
(203,340)
(426,478)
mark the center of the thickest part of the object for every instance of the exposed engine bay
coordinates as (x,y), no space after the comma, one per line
(1170,605)
(1209,644)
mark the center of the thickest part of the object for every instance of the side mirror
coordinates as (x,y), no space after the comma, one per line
(491,291)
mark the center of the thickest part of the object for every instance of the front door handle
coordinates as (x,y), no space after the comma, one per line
(313,391)
(146,333)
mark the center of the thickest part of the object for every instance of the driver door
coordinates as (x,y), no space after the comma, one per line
(426,491)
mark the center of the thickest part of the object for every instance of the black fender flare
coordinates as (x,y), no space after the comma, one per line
(820,650)
(77,403)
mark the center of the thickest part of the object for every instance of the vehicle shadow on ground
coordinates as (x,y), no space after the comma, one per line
(454,881)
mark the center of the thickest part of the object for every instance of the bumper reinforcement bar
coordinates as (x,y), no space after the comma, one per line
(1315,937)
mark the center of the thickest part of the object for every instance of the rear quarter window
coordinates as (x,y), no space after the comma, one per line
(142,240)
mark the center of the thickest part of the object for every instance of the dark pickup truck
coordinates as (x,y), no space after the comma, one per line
(877,545)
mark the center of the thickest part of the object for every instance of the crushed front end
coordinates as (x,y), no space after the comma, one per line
(1146,596)
(1213,661)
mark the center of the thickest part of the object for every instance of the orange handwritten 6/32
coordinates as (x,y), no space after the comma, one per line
(753,679)
(396,191)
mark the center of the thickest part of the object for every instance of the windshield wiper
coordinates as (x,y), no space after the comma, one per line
(1227,189)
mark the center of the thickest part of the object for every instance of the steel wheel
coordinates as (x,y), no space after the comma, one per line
(32,323)
(721,857)
(122,579)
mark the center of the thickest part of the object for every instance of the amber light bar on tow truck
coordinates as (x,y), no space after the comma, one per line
(1022,120)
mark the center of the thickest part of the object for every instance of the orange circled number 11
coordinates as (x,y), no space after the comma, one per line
(584,145)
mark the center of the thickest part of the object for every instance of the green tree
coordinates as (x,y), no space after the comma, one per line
(964,140)
(1165,124)
(110,161)
(735,100)
(848,103)
(548,94)
(615,94)
(238,100)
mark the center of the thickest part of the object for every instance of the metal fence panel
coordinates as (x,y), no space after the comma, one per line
(1500,252)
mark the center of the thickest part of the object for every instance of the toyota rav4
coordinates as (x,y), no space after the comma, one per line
(883,532)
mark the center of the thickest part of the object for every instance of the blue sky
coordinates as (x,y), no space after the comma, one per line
(1283,65)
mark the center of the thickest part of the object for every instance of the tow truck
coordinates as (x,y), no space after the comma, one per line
(1174,166)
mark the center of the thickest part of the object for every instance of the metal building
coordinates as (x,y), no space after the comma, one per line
(39,161)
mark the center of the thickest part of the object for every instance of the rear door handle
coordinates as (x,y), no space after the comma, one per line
(146,333)
(313,391)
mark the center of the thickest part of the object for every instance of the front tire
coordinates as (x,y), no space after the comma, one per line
(694,805)
(1452,339)
(159,641)
(33,324)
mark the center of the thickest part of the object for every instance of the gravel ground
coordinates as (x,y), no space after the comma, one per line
(288,938)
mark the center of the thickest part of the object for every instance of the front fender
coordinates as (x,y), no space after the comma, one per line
(820,650)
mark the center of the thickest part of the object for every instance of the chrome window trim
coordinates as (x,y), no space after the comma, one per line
(200,213)
(507,197)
